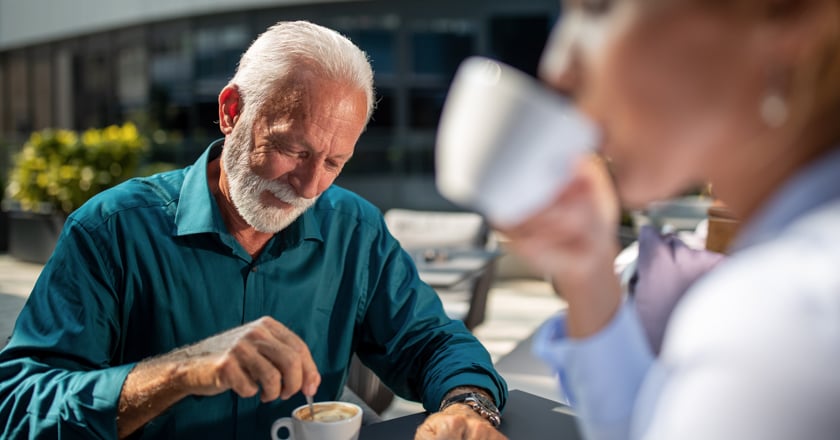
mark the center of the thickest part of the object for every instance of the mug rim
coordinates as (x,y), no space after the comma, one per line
(337,422)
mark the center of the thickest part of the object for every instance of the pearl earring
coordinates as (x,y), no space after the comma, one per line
(774,109)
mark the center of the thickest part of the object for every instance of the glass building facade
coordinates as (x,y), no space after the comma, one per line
(166,75)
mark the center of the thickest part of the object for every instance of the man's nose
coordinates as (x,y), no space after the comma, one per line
(306,179)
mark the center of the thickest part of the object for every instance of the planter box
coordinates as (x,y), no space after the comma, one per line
(33,235)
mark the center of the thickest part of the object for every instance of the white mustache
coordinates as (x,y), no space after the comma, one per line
(284,192)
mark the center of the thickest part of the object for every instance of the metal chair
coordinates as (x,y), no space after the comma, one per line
(414,229)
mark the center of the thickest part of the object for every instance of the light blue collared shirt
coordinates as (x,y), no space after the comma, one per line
(752,350)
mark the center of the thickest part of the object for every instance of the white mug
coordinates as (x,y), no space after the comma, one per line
(332,421)
(506,144)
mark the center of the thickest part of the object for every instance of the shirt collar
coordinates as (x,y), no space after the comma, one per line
(812,187)
(198,212)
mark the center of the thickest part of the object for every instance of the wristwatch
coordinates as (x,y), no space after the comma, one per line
(480,404)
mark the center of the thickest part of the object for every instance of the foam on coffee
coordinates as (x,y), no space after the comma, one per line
(326,413)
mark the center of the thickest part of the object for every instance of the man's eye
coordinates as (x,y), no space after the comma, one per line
(298,154)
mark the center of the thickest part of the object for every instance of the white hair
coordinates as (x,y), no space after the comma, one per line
(288,46)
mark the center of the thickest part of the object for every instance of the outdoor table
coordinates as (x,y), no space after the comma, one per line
(526,416)
(444,267)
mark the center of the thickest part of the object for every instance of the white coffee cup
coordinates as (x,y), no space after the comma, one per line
(506,144)
(332,421)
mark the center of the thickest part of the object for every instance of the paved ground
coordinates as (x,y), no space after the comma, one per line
(16,280)
(515,308)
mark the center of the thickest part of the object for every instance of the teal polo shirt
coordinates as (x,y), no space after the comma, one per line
(148,266)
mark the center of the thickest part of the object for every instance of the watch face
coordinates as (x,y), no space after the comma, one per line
(486,408)
(484,401)
(480,404)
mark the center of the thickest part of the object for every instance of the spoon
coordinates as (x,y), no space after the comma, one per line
(310,401)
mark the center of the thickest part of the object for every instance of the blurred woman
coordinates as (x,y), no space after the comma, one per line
(744,94)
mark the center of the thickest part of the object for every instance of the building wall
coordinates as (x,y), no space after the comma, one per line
(27,22)
(161,65)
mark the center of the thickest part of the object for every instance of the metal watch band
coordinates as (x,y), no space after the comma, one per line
(480,404)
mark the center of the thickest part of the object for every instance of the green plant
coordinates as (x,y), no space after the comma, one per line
(60,169)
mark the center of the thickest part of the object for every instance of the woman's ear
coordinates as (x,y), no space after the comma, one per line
(797,52)
(229,104)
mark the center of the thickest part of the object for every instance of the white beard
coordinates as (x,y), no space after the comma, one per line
(246,187)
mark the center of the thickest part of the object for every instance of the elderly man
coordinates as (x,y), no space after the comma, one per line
(206,302)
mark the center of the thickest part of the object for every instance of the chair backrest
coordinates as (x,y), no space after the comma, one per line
(434,229)
(430,229)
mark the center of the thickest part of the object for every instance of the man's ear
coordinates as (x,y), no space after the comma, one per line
(229,104)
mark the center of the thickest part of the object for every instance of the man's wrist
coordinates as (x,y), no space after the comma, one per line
(476,400)
(469,389)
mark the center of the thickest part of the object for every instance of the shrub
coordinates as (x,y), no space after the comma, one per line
(59,169)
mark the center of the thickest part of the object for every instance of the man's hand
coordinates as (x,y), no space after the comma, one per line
(457,422)
(261,355)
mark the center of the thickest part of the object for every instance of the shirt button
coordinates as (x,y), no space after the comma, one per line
(254,269)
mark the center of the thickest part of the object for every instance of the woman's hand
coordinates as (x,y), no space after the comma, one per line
(574,241)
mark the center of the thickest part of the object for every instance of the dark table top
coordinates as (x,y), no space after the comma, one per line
(526,416)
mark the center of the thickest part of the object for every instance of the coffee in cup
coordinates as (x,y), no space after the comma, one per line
(327,412)
(506,144)
(330,421)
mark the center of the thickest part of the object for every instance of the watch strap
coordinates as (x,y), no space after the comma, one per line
(480,404)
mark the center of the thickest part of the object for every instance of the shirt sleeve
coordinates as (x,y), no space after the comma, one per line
(408,340)
(601,375)
(56,376)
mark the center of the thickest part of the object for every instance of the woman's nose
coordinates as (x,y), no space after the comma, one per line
(560,62)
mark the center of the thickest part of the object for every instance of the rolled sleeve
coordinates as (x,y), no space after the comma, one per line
(601,374)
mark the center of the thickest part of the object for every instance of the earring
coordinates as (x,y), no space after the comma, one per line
(774,109)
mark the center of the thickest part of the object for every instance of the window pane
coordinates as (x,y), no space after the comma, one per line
(170,63)
(426,105)
(438,46)
(420,161)
(132,79)
(217,50)
(5,126)
(383,114)
(440,53)
(373,155)
(519,41)
(18,87)
(379,45)
(43,89)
